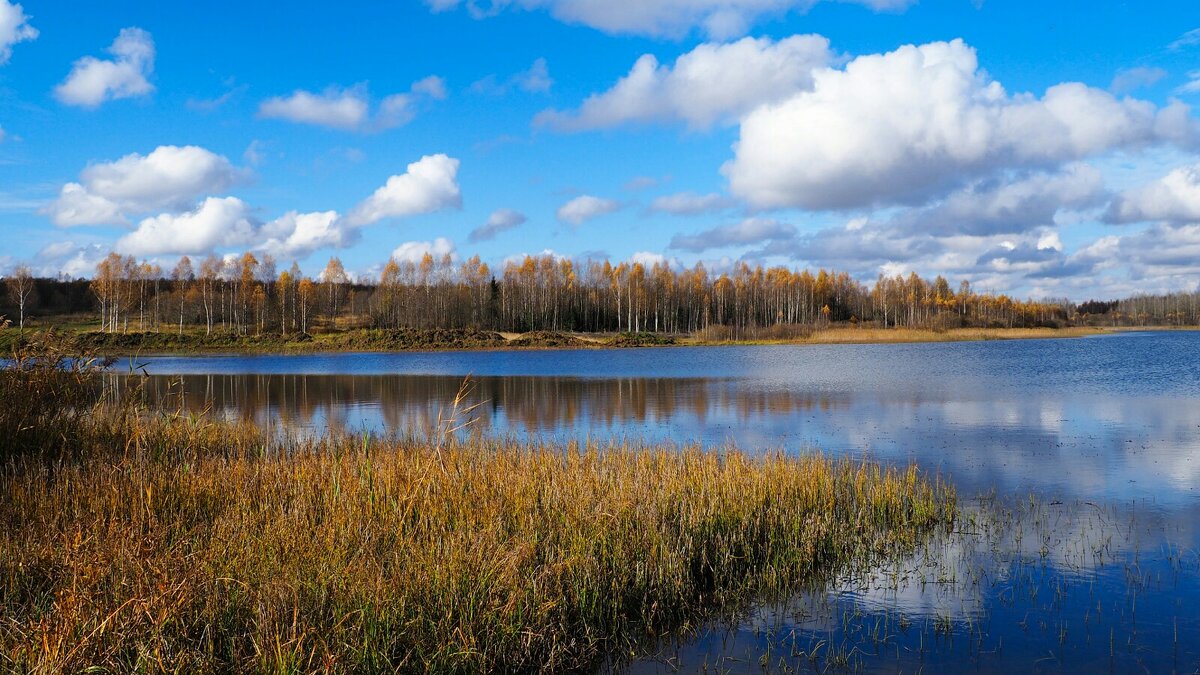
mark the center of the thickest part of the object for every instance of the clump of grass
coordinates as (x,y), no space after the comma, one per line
(168,543)
(47,390)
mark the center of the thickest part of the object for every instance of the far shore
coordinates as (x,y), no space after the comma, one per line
(168,343)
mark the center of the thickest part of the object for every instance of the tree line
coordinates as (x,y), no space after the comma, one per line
(248,294)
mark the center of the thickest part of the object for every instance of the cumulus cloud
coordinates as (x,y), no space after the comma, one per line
(170,177)
(518,258)
(337,108)
(93,81)
(14,28)
(76,206)
(349,108)
(648,258)
(584,208)
(713,83)
(1009,204)
(66,259)
(1164,251)
(720,19)
(1162,258)
(218,222)
(296,235)
(690,203)
(501,220)
(903,126)
(223,223)
(861,249)
(430,184)
(415,251)
(1175,197)
(747,232)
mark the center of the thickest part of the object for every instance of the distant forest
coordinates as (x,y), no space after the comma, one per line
(249,295)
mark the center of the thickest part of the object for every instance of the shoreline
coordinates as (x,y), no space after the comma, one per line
(119,345)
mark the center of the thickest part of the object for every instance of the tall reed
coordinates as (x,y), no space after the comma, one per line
(174,543)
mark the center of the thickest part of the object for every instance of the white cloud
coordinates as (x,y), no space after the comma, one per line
(501,220)
(93,81)
(14,28)
(584,208)
(906,125)
(1008,204)
(219,222)
(69,260)
(648,258)
(161,179)
(518,258)
(170,177)
(1161,259)
(414,251)
(747,232)
(430,184)
(1174,197)
(337,108)
(720,19)
(349,109)
(711,84)
(296,235)
(690,203)
(76,206)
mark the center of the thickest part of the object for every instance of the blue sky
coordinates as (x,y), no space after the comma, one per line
(1043,149)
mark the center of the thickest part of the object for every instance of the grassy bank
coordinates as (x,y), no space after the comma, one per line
(863,335)
(380,340)
(132,542)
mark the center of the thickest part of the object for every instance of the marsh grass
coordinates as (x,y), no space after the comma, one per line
(839,334)
(152,542)
(1021,583)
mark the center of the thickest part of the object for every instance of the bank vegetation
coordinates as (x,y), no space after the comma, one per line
(150,542)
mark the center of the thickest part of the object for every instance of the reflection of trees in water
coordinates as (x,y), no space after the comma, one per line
(1086,447)
(402,404)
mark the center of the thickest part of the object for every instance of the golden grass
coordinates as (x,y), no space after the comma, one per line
(848,335)
(134,542)
(363,340)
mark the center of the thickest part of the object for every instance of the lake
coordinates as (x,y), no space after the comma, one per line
(1077,462)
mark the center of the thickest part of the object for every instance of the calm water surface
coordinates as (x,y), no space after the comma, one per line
(1085,454)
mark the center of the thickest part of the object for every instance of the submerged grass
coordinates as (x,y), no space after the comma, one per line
(167,543)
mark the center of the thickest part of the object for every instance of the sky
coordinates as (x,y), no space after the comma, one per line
(1039,149)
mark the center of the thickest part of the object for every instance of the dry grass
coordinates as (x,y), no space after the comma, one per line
(143,543)
(849,335)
